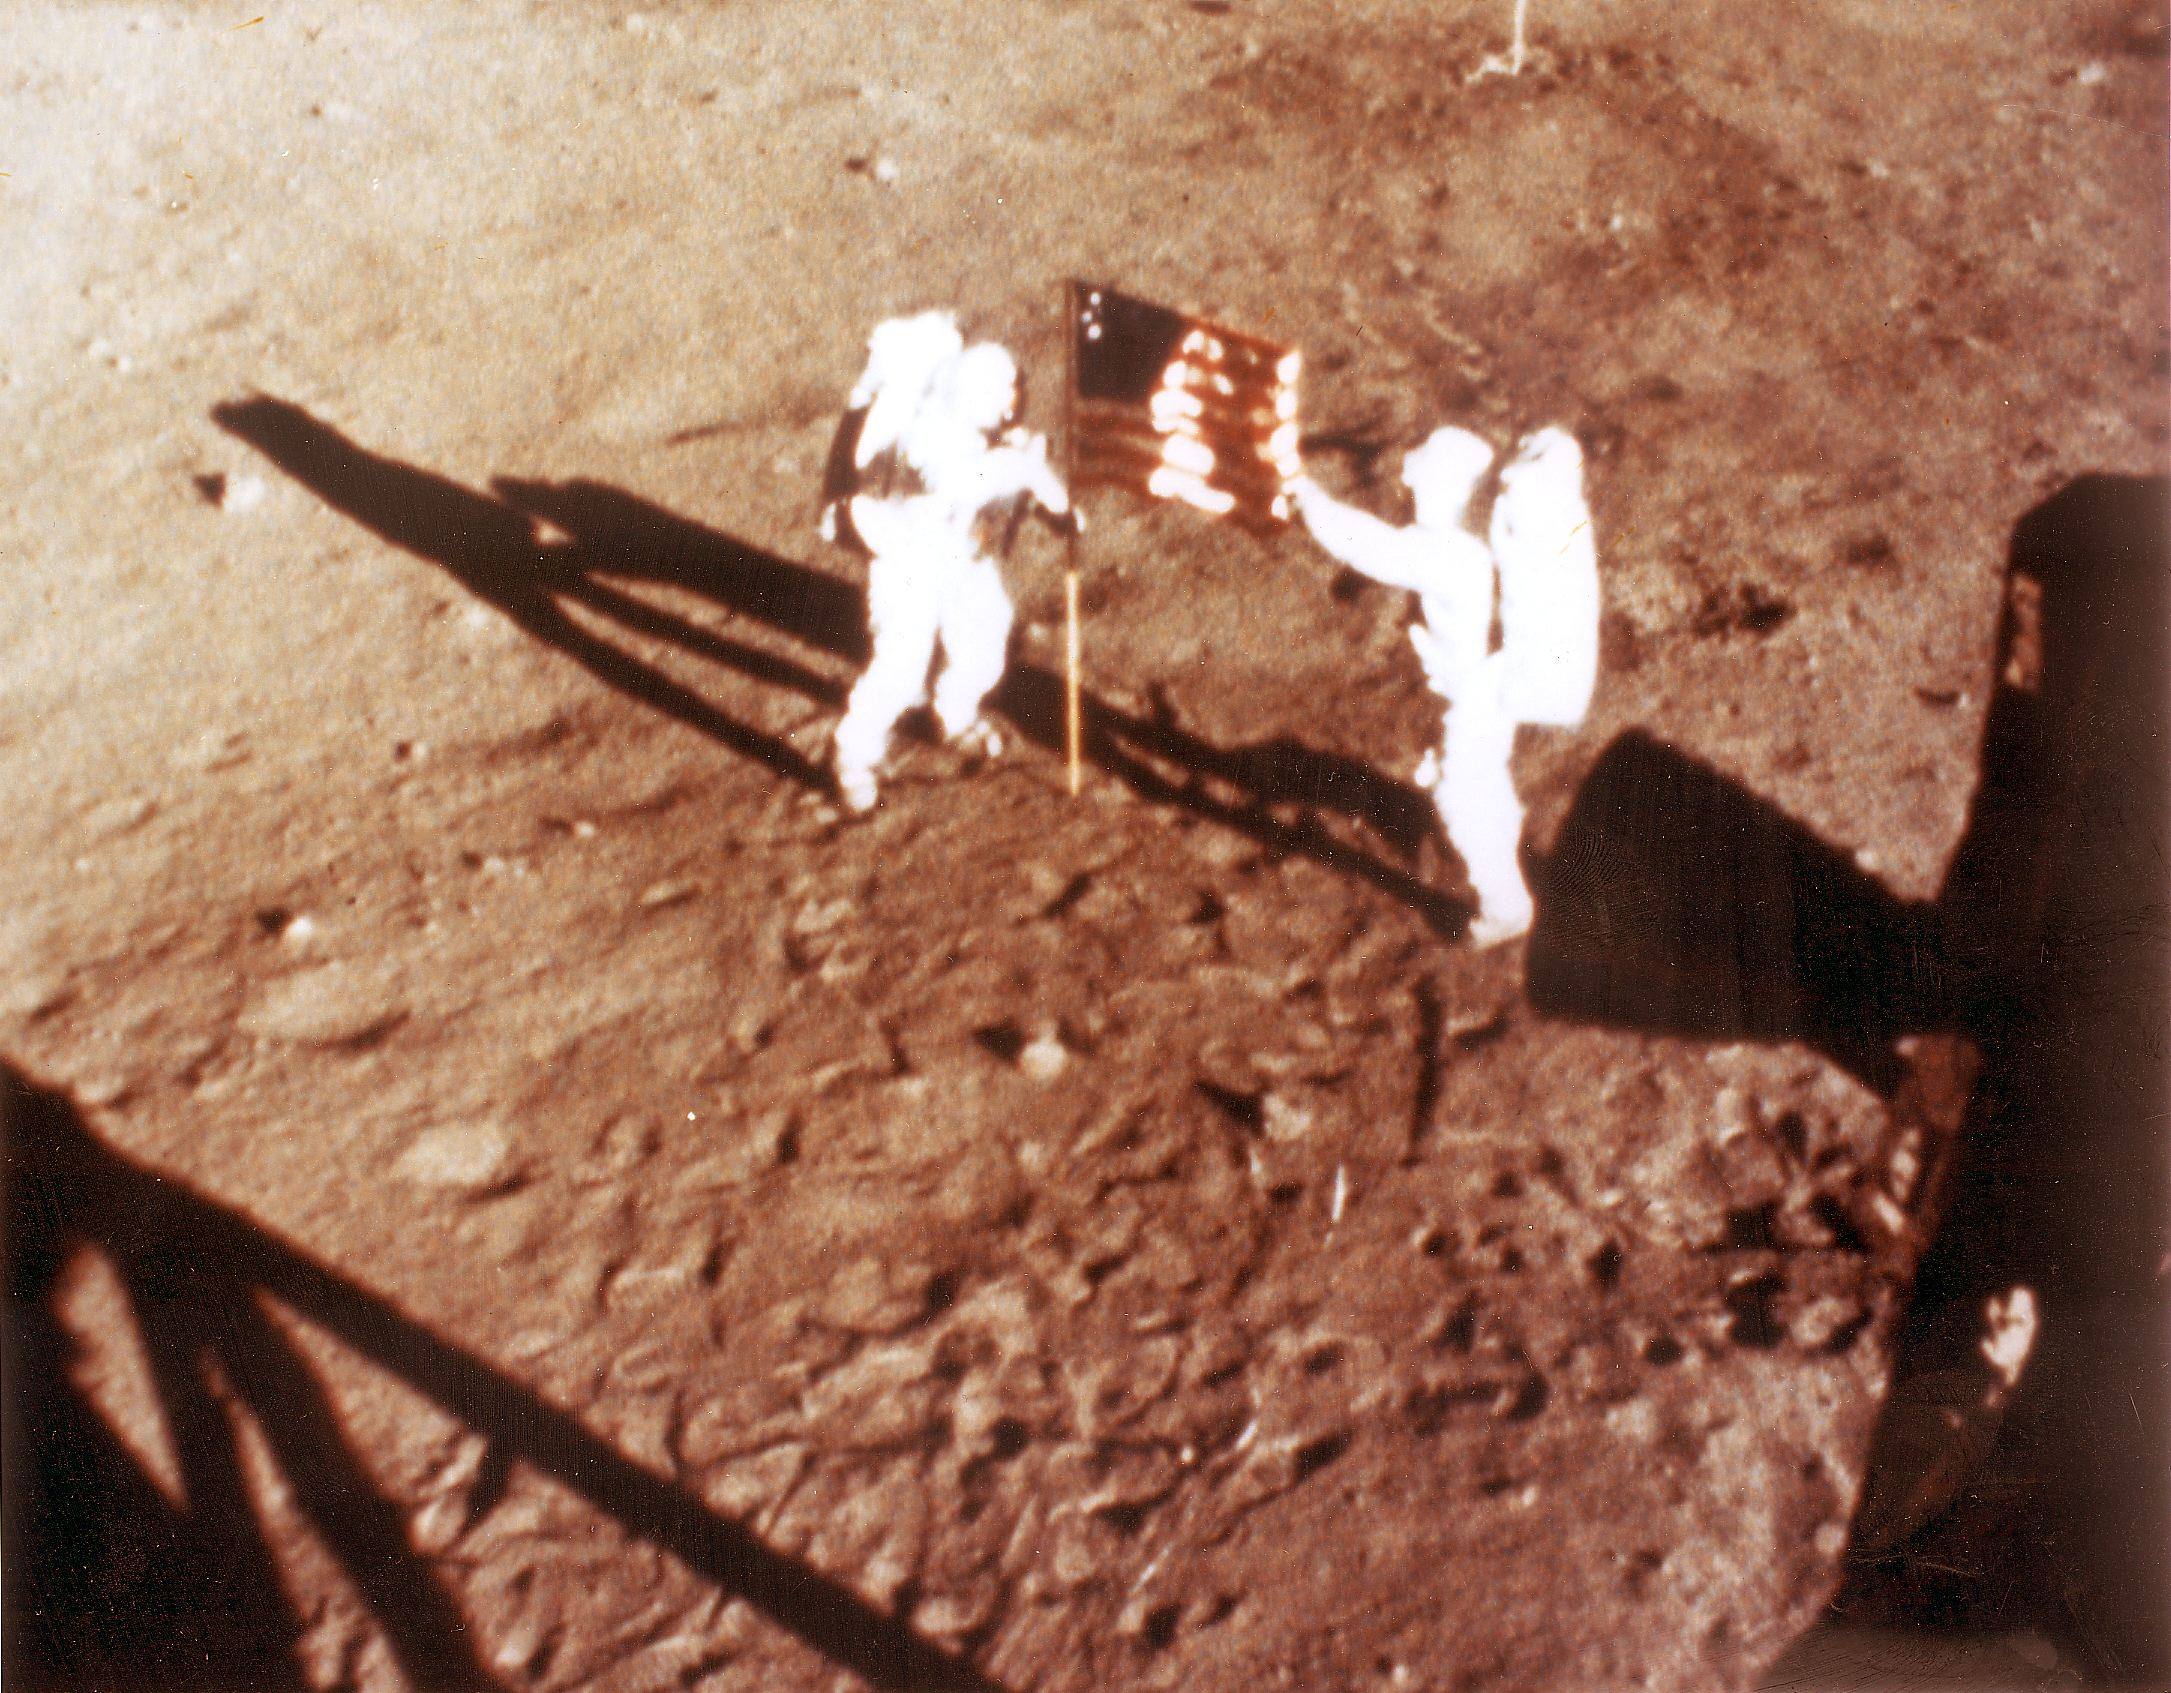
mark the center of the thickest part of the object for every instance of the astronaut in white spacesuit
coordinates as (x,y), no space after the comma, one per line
(1546,665)
(936,460)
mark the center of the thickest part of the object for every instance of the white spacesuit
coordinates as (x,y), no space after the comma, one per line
(1547,661)
(933,456)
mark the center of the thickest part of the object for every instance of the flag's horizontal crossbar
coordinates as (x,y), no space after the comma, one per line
(1241,356)
(1088,299)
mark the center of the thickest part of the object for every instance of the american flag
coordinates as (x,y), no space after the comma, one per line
(1176,408)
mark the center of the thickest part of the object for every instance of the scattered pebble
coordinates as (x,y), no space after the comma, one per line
(1044,1057)
(326,1004)
(818,917)
(467,1156)
(1634,1419)
(2092,74)
(28,994)
(1284,1119)
(233,493)
(657,895)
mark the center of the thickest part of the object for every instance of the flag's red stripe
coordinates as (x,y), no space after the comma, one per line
(1218,416)
(1249,477)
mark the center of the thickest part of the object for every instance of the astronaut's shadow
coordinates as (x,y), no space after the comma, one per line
(608,541)
(491,546)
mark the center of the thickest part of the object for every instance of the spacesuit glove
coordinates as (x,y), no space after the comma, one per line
(1432,654)
(1049,490)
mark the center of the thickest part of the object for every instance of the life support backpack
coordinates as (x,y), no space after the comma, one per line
(906,357)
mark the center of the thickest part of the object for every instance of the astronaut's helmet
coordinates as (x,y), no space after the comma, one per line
(981,387)
(1551,456)
(1443,472)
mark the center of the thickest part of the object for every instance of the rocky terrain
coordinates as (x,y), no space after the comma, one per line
(510,1187)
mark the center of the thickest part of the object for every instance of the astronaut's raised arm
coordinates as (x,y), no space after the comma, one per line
(1010,470)
(1365,543)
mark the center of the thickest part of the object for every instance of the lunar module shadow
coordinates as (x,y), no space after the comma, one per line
(1675,901)
(115,1585)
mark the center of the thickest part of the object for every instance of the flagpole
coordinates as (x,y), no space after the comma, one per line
(1072,715)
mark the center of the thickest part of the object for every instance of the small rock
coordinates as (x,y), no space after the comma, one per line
(437,1525)
(676,891)
(28,994)
(818,917)
(1044,1057)
(1823,1320)
(1634,1419)
(1285,1119)
(948,1615)
(468,1156)
(326,1005)
(871,1295)
(234,493)
(479,619)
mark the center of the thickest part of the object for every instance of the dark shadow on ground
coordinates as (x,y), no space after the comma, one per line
(2059,946)
(1674,901)
(491,548)
(114,1587)
(490,545)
